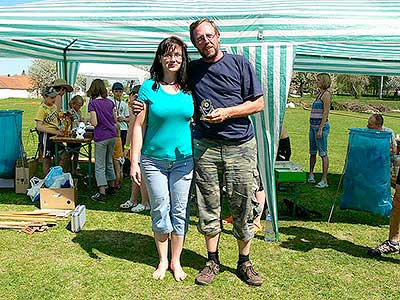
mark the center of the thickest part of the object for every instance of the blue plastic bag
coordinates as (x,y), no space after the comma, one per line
(366,184)
(50,177)
(62,181)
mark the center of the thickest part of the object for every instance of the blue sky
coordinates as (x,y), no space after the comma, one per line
(14,2)
(14,66)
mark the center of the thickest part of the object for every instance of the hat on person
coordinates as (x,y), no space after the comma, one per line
(117,86)
(135,89)
(49,91)
(62,83)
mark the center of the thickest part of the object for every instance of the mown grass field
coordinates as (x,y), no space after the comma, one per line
(114,256)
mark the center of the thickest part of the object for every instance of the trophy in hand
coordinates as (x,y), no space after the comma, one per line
(206,108)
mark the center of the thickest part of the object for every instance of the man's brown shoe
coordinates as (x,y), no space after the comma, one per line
(246,272)
(207,275)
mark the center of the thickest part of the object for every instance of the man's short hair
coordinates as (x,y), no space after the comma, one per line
(378,119)
(194,25)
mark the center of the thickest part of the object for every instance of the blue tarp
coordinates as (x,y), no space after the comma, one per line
(10,141)
(366,184)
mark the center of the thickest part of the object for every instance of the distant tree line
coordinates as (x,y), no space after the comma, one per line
(345,84)
(43,72)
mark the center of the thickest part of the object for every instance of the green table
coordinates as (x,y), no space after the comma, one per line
(289,175)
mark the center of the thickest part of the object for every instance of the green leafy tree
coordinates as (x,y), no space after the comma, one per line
(355,85)
(43,72)
(392,84)
(374,85)
(302,82)
(80,83)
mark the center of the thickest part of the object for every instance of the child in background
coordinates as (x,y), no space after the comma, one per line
(75,105)
(47,125)
(118,160)
(122,110)
(132,202)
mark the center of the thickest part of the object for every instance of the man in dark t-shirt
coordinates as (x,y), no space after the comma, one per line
(226,92)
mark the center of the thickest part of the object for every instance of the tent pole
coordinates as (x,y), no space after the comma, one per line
(64,104)
(381,88)
(338,188)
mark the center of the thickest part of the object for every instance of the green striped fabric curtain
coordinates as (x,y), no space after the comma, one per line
(273,65)
(67,71)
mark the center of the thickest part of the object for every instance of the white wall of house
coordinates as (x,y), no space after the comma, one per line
(9,93)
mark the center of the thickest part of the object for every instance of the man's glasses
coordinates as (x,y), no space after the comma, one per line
(169,56)
(202,39)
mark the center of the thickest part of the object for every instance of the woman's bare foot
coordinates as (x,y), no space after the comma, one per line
(178,272)
(161,270)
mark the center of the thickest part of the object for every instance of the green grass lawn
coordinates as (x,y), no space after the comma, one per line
(114,256)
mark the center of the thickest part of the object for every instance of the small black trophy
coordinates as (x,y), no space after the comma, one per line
(206,108)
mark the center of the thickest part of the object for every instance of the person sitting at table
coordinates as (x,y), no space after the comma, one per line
(47,126)
(375,122)
(75,105)
(61,87)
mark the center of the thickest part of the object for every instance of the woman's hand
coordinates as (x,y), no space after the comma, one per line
(135,173)
(319,133)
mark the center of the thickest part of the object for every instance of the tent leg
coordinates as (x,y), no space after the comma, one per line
(337,190)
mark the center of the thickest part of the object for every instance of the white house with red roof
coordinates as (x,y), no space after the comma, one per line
(17,86)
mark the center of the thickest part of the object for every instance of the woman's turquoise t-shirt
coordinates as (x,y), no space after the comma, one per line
(168,134)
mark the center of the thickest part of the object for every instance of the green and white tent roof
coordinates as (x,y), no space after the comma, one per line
(334,36)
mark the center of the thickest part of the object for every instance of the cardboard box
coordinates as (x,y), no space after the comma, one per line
(62,198)
(25,169)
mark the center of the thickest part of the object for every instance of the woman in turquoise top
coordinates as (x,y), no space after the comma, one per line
(319,129)
(162,142)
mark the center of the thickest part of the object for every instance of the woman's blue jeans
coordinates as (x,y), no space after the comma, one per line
(168,184)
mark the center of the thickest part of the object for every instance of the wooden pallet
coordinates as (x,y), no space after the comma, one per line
(31,221)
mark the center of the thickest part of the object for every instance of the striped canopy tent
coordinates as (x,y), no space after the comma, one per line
(345,36)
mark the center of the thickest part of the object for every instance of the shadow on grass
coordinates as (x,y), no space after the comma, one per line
(133,247)
(307,239)
(321,200)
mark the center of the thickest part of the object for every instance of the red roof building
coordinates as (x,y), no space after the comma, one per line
(18,86)
(17,82)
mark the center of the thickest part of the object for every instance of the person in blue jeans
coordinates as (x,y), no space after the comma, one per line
(319,129)
(103,118)
(162,142)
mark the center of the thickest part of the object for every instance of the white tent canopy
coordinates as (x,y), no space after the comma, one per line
(113,72)
(355,36)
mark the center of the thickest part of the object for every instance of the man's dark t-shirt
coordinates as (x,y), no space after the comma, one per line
(228,82)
